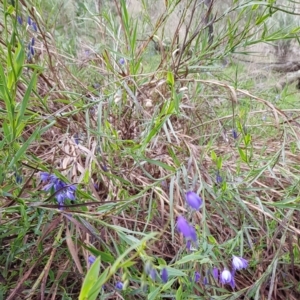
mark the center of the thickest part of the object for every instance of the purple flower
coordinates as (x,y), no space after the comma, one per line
(72,187)
(62,190)
(183,226)
(164,275)
(152,274)
(67,193)
(18,178)
(149,270)
(193,200)
(219,179)
(58,184)
(44,176)
(60,197)
(205,280)
(48,186)
(122,61)
(186,229)
(29,21)
(91,259)
(234,134)
(96,85)
(164,185)
(119,285)
(96,186)
(226,277)
(70,192)
(239,263)
(19,19)
(215,273)
(197,277)
(76,138)
(31,51)
(189,245)
(32,41)
(34,27)
(29,58)
(104,168)
(193,234)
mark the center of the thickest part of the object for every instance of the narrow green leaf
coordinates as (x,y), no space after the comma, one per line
(95,290)
(153,295)
(169,284)
(25,101)
(10,10)
(179,293)
(190,257)
(172,272)
(219,163)
(174,157)
(118,261)
(160,164)
(90,280)
(176,100)
(242,154)
(9,104)
(247,139)
(213,156)
(262,19)
(19,58)
(170,79)
(24,147)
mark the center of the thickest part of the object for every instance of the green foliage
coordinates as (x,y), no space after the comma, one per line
(92,284)
(132,107)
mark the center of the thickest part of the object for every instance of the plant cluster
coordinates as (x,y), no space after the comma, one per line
(146,152)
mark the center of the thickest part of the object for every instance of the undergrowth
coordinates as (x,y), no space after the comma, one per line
(140,159)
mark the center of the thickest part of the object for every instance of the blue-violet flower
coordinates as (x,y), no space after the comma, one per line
(119,285)
(219,179)
(189,245)
(226,277)
(193,200)
(91,259)
(234,134)
(152,274)
(34,27)
(19,19)
(164,275)
(215,273)
(239,263)
(62,190)
(186,229)
(197,277)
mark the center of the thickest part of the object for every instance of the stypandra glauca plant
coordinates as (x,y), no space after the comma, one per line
(149,150)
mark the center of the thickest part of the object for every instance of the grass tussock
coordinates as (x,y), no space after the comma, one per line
(110,113)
